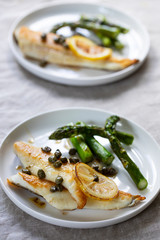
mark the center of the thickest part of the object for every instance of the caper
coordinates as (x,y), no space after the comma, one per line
(59,40)
(59,187)
(26,171)
(53,188)
(43,37)
(65,45)
(73,160)
(59,180)
(52,159)
(57,154)
(56,39)
(104,170)
(41,174)
(95,167)
(46,149)
(72,151)
(57,164)
(96,178)
(64,160)
(108,171)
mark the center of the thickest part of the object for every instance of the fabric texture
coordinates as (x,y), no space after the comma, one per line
(23,95)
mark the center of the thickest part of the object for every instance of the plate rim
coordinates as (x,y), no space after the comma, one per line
(69,223)
(85,81)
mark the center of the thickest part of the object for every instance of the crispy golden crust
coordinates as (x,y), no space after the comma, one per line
(124,62)
(36,182)
(123,195)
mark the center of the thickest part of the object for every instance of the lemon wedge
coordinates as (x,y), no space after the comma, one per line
(85,48)
(94,184)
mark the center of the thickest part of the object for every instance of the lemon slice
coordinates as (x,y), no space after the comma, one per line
(85,48)
(94,184)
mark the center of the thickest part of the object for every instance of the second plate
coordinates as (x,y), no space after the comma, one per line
(42,19)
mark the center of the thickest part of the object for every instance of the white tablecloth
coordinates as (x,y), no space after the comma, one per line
(136,97)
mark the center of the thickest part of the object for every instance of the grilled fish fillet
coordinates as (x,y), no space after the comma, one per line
(32,46)
(34,159)
(64,201)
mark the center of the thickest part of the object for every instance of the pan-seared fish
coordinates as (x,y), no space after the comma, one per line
(32,46)
(64,201)
(34,159)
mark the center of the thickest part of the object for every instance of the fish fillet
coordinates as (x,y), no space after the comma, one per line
(34,159)
(64,201)
(32,46)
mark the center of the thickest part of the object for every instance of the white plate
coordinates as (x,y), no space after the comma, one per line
(136,42)
(145,152)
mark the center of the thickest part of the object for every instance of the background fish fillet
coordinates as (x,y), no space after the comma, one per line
(31,46)
(64,201)
(34,159)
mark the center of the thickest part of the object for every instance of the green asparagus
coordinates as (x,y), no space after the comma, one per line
(111,32)
(103,21)
(72,131)
(123,137)
(104,30)
(99,151)
(129,165)
(127,162)
(83,150)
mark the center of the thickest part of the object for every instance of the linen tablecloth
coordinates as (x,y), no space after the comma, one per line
(137,97)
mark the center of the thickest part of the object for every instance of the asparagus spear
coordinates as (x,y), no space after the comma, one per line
(103,21)
(110,124)
(99,151)
(83,150)
(129,165)
(111,32)
(72,131)
(127,162)
(123,137)
(106,41)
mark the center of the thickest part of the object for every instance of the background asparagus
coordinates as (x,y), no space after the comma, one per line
(111,32)
(103,21)
(104,30)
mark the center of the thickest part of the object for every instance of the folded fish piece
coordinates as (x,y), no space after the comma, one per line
(32,46)
(34,159)
(64,201)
